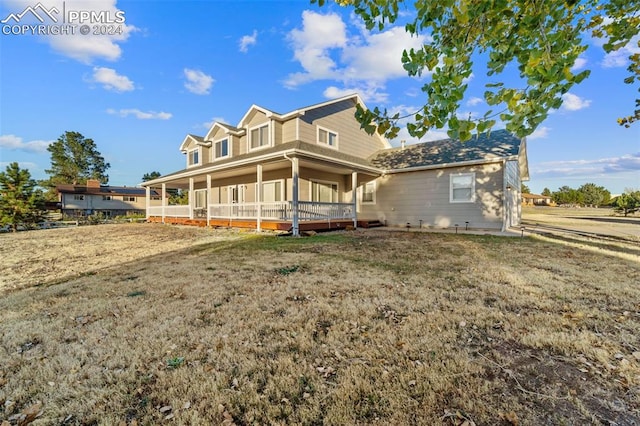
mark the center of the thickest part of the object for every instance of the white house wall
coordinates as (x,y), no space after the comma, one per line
(409,197)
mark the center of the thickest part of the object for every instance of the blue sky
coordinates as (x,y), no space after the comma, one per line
(180,65)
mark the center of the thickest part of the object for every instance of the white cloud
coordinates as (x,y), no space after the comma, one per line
(198,82)
(111,80)
(15,143)
(540,133)
(379,56)
(361,62)
(571,102)
(368,92)
(141,115)
(620,57)
(579,64)
(474,101)
(83,48)
(248,40)
(28,165)
(207,124)
(312,44)
(599,166)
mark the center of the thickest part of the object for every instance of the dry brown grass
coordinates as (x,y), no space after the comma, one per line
(342,328)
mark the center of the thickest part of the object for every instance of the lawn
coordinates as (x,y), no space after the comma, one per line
(363,327)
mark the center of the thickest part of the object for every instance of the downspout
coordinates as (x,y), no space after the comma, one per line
(504,195)
(294,204)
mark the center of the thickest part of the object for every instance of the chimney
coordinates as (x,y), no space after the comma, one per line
(93,183)
(402,144)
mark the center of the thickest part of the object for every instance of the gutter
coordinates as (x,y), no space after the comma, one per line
(450,165)
(271,156)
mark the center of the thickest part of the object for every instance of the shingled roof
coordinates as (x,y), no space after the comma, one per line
(487,146)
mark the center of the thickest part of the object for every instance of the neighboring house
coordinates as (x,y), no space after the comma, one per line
(314,168)
(536,200)
(110,201)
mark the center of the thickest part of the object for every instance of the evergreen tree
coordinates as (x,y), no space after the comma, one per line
(20,202)
(524,189)
(628,202)
(74,159)
(150,176)
(546,192)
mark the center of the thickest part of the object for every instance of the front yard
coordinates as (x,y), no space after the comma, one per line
(359,327)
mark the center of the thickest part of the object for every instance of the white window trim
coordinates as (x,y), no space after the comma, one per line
(199,157)
(312,181)
(282,194)
(213,148)
(375,190)
(473,187)
(195,198)
(269,135)
(318,128)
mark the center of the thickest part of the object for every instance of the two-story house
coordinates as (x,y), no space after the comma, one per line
(109,201)
(314,168)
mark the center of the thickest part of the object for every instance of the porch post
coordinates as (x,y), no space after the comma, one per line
(295,172)
(259,198)
(147,195)
(208,198)
(191,198)
(354,197)
(164,199)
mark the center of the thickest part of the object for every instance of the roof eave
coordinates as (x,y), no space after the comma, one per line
(454,164)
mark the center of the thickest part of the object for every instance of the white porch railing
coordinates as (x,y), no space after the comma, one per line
(313,210)
(171,211)
(283,210)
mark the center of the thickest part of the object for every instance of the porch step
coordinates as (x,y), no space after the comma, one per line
(370,223)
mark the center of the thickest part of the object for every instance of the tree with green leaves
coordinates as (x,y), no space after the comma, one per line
(74,160)
(628,202)
(543,39)
(524,189)
(21,204)
(567,196)
(546,192)
(150,176)
(594,195)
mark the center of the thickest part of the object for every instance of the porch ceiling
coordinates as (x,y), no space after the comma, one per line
(279,164)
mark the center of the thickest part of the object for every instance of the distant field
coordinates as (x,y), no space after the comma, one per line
(365,327)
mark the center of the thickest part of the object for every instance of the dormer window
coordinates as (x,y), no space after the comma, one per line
(259,137)
(327,137)
(193,157)
(221,149)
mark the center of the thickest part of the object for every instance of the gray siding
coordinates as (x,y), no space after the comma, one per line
(424,195)
(339,117)
(289,131)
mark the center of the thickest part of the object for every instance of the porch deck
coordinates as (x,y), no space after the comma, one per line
(270,225)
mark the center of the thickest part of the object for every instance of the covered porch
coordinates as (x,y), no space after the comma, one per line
(290,193)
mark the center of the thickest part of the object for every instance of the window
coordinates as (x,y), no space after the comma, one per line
(236,194)
(193,157)
(324,192)
(106,198)
(129,198)
(462,188)
(200,198)
(369,192)
(272,191)
(259,137)
(327,137)
(221,149)
(78,197)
